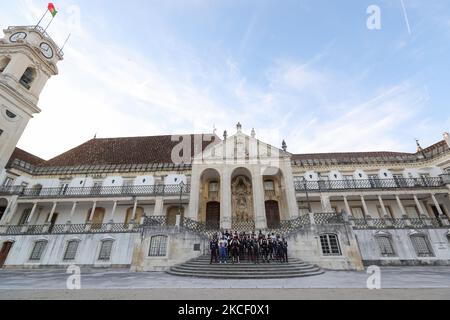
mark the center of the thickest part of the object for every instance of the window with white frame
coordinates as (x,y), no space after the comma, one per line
(386,246)
(421,245)
(38,249)
(330,245)
(71,250)
(105,250)
(158,246)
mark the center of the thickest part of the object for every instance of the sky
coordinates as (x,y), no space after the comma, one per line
(310,72)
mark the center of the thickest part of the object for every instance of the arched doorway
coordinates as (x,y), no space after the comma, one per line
(272,214)
(213,215)
(172,213)
(3,206)
(4,251)
(210,197)
(242,200)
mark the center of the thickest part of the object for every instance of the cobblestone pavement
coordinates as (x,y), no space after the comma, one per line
(121,284)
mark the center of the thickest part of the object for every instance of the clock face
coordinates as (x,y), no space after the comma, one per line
(46,50)
(17,36)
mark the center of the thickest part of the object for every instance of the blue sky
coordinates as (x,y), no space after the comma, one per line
(308,71)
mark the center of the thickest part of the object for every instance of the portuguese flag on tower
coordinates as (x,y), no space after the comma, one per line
(52,9)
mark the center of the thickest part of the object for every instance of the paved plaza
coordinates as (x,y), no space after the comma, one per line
(396,283)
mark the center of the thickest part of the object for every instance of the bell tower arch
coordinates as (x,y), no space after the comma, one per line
(28,58)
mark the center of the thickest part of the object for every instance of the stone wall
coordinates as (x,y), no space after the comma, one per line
(53,254)
(306,245)
(181,247)
(405,253)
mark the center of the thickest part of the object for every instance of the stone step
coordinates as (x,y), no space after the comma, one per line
(201,268)
(245,276)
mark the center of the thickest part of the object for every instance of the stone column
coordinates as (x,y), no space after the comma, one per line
(72,212)
(347,207)
(159,206)
(420,207)
(383,208)
(194,196)
(113,212)
(52,212)
(33,210)
(291,197)
(444,219)
(225,199)
(258,200)
(365,208)
(91,216)
(403,211)
(326,204)
(12,212)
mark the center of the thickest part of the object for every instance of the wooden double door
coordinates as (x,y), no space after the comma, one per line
(272,214)
(213,215)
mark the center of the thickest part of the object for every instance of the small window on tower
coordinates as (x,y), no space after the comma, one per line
(28,77)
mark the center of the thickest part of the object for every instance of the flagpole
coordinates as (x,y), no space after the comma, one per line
(65,42)
(41,18)
(49,23)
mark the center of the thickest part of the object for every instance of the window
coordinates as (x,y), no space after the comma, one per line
(330,245)
(213,186)
(28,77)
(357,212)
(269,185)
(412,212)
(421,245)
(385,245)
(388,210)
(71,250)
(105,250)
(38,249)
(158,246)
(448,238)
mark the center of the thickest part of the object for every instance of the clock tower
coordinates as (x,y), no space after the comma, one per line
(28,58)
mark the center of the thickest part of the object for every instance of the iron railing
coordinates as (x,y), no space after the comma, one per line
(396,223)
(98,191)
(369,184)
(69,229)
(328,218)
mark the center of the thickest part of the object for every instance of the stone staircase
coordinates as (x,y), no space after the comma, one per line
(200,268)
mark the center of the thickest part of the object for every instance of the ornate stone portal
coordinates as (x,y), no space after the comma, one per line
(242,202)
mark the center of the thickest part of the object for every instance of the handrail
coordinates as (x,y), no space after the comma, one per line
(97,191)
(355,184)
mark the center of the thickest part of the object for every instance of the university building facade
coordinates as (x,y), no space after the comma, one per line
(148,203)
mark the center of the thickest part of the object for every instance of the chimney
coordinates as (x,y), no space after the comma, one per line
(447,138)
(253,133)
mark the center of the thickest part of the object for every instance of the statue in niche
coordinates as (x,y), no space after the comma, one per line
(242,199)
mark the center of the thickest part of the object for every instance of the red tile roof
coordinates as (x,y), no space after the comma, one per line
(24,156)
(117,151)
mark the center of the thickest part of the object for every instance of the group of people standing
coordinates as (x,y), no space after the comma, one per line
(237,247)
